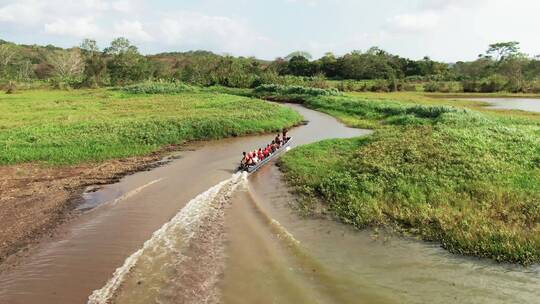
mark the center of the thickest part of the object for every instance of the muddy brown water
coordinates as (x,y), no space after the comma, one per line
(192,231)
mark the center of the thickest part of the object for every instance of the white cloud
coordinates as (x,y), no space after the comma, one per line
(74,27)
(107,19)
(414,22)
(122,6)
(204,31)
(312,3)
(445,4)
(133,30)
(22,13)
(444,29)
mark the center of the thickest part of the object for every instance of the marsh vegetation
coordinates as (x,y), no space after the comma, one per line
(467,179)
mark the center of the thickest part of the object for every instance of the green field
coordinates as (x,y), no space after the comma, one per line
(467,179)
(70,127)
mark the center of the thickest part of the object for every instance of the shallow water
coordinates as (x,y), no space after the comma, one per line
(523,104)
(194,232)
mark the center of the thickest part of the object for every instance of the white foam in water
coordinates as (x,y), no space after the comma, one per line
(135,191)
(118,199)
(186,220)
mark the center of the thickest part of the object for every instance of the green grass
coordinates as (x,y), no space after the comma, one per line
(70,127)
(467,179)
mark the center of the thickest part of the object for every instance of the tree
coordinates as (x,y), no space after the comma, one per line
(121,46)
(428,67)
(7,54)
(512,68)
(328,64)
(94,63)
(279,65)
(532,69)
(503,50)
(126,64)
(300,66)
(304,54)
(481,67)
(67,64)
(24,70)
(357,65)
(89,46)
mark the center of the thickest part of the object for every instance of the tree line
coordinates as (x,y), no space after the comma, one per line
(503,67)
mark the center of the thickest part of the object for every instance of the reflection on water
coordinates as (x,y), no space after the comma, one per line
(524,104)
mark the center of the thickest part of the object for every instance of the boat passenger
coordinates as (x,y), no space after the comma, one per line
(255,157)
(277,140)
(284,135)
(260,154)
(247,160)
(252,157)
(273,146)
(266,151)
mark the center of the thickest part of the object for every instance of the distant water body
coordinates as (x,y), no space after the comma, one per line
(524,104)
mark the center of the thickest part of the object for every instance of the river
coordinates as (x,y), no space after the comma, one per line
(192,231)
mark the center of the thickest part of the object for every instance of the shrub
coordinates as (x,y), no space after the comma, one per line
(275,89)
(353,86)
(409,87)
(10,88)
(319,81)
(491,84)
(471,86)
(380,85)
(158,88)
(443,87)
(431,87)
(514,86)
(494,83)
(532,86)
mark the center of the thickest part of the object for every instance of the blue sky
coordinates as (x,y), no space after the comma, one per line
(446,30)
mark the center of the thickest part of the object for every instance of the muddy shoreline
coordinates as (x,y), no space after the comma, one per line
(36,200)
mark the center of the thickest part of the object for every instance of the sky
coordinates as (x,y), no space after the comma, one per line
(449,31)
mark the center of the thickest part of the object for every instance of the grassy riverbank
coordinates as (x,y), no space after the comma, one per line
(53,144)
(467,179)
(70,127)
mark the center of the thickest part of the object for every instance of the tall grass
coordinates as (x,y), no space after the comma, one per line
(159,88)
(276,89)
(468,180)
(61,127)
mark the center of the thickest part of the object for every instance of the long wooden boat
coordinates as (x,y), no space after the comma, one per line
(251,169)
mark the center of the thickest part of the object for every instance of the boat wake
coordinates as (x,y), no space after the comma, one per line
(182,261)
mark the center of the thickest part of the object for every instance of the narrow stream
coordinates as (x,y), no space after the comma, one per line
(192,231)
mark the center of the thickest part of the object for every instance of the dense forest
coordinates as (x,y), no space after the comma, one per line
(503,67)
